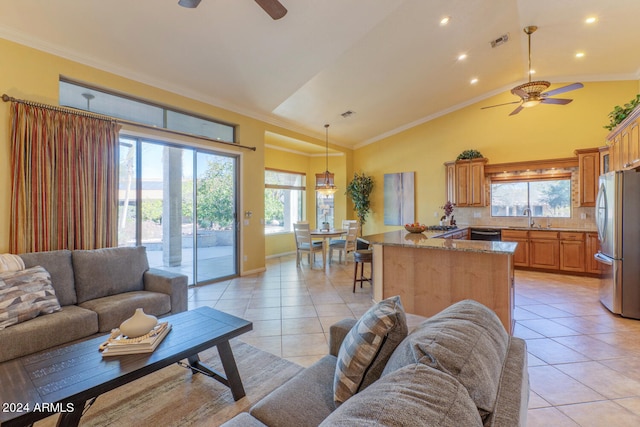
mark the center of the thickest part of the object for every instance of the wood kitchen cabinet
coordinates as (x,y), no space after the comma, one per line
(450,181)
(592,246)
(544,248)
(624,143)
(521,237)
(588,173)
(469,182)
(572,252)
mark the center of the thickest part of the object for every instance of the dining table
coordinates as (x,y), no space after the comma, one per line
(326,236)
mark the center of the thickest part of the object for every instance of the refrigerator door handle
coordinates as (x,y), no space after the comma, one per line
(603,258)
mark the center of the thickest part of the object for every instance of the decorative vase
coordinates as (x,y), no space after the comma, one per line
(138,324)
(326,226)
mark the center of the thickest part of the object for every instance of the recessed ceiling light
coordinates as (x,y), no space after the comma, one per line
(462,57)
(591,20)
(474,81)
(532,72)
(445,20)
(580,55)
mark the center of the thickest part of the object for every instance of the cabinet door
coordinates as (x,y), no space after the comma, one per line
(521,255)
(476,184)
(462,184)
(592,247)
(589,170)
(634,143)
(543,253)
(614,154)
(625,148)
(572,255)
(450,181)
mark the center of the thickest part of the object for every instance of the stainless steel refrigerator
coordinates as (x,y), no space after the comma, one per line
(618,223)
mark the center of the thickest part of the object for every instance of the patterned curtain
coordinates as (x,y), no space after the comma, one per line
(64,179)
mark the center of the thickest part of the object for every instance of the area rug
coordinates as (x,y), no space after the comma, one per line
(175,397)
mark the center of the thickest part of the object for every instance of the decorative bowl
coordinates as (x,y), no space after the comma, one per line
(415,228)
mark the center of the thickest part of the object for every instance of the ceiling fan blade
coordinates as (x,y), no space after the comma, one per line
(559,101)
(562,89)
(274,8)
(517,110)
(500,105)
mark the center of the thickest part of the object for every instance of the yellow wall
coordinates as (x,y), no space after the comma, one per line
(31,74)
(543,132)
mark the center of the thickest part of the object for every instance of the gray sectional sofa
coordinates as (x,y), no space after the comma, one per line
(458,368)
(97,290)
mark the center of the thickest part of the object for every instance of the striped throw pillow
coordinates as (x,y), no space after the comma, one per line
(382,325)
(26,294)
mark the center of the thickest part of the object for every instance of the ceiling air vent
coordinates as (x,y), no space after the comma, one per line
(347,114)
(500,40)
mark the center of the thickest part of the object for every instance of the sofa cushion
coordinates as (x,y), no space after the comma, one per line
(26,294)
(43,332)
(115,309)
(466,340)
(59,266)
(415,395)
(303,401)
(367,347)
(110,271)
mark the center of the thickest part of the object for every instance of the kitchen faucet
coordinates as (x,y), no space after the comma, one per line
(527,212)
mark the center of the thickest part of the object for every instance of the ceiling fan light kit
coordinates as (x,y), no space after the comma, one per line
(191,4)
(274,8)
(532,93)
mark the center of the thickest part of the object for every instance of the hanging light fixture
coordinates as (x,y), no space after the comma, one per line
(326,188)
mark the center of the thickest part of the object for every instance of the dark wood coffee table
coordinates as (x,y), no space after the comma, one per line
(65,379)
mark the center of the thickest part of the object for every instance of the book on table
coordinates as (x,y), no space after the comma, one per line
(119,344)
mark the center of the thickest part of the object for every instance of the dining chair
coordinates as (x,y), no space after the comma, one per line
(346,245)
(304,243)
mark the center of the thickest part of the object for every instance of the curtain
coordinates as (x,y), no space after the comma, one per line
(64,180)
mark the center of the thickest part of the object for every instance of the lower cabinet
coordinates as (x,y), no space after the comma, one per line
(572,252)
(544,249)
(521,255)
(552,250)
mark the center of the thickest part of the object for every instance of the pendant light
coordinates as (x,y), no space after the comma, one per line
(327,188)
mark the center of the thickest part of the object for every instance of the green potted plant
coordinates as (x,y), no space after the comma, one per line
(359,190)
(620,113)
(469,154)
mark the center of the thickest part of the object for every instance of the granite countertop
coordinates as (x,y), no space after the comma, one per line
(430,240)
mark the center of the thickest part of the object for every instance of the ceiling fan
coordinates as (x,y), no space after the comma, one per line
(531,93)
(274,8)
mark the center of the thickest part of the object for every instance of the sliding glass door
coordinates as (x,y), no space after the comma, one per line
(180,203)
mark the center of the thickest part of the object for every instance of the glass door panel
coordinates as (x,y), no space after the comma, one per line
(216,231)
(166,207)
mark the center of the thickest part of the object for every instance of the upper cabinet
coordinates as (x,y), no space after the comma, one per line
(465,183)
(588,173)
(624,143)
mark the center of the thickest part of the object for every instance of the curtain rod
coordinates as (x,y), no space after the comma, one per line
(7,98)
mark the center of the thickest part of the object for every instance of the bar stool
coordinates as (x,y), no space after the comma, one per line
(361,257)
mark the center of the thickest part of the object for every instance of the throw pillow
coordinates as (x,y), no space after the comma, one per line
(26,294)
(367,347)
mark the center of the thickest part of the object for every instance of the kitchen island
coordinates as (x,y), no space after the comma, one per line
(431,273)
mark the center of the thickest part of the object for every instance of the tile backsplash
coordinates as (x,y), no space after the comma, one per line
(581,218)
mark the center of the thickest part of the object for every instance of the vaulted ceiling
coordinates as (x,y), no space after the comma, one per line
(390,62)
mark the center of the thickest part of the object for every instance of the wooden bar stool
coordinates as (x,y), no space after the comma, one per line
(361,257)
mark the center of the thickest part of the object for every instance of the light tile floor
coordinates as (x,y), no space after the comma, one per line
(584,362)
